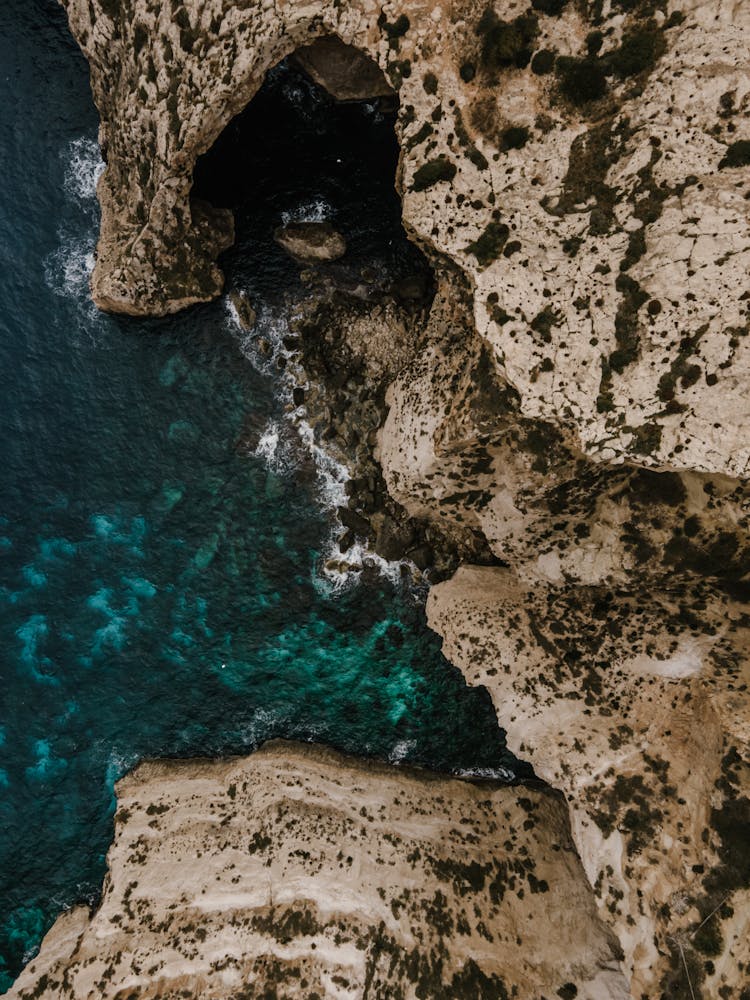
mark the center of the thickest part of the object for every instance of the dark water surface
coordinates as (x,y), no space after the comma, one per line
(160,584)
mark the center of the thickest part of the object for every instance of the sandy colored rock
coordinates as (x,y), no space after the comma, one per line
(606,247)
(297,872)
(311,242)
(640,713)
(614,645)
(579,403)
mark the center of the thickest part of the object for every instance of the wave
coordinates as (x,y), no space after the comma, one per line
(83,168)
(314,210)
(284,440)
(504,774)
(67,270)
(402,751)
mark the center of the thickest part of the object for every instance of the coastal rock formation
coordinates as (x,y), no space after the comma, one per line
(638,711)
(311,241)
(579,173)
(583,163)
(614,645)
(297,872)
(345,72)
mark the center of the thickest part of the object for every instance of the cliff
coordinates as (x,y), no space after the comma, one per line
(297,872)
(579,174)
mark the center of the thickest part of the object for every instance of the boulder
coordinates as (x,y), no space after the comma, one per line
(310,242)
(246,315)
(354,521)
(394,539)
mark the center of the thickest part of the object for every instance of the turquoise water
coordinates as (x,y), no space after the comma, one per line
(161,589)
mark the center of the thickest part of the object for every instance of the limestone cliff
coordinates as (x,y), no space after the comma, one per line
(300,873)
(579,173)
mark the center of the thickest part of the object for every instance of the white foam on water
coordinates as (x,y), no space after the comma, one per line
(84,167)
(279,446)
(332,474)
(118,764)
(263,722)
(314,210)
(487,773)
(67,270)
(401,751)
(263,345)
(268,444)
(342,570)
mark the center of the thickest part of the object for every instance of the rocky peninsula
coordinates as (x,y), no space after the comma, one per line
(571,410)
(297,872)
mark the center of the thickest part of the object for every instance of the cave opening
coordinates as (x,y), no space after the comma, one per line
(302,153)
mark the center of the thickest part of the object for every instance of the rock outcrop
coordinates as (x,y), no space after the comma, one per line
(581,163)
(311,242)
(580,172)
(614,645)
(297,872)
(345,72)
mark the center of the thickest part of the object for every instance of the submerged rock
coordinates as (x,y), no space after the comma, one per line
(297,872)
(311,241)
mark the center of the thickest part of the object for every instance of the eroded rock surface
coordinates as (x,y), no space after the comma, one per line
(311,241)
(300,873)
(579,172)
(638,710)
(614,645)
(581,162)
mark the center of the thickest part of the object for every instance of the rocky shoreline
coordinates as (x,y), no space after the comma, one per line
(568,417)
(349,342)
(298,872)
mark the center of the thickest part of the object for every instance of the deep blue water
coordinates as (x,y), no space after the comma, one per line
(161,590)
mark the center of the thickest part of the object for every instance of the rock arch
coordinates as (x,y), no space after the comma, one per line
(574,161)
(166,84)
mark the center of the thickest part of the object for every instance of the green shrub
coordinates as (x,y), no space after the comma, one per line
(543,62)
(637,53)
(708,939)
(737,155)
(506,43)
(515,137)
(489,245)
(551,7)
(431,173)
(581,80)
(594,42)
(396,30)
